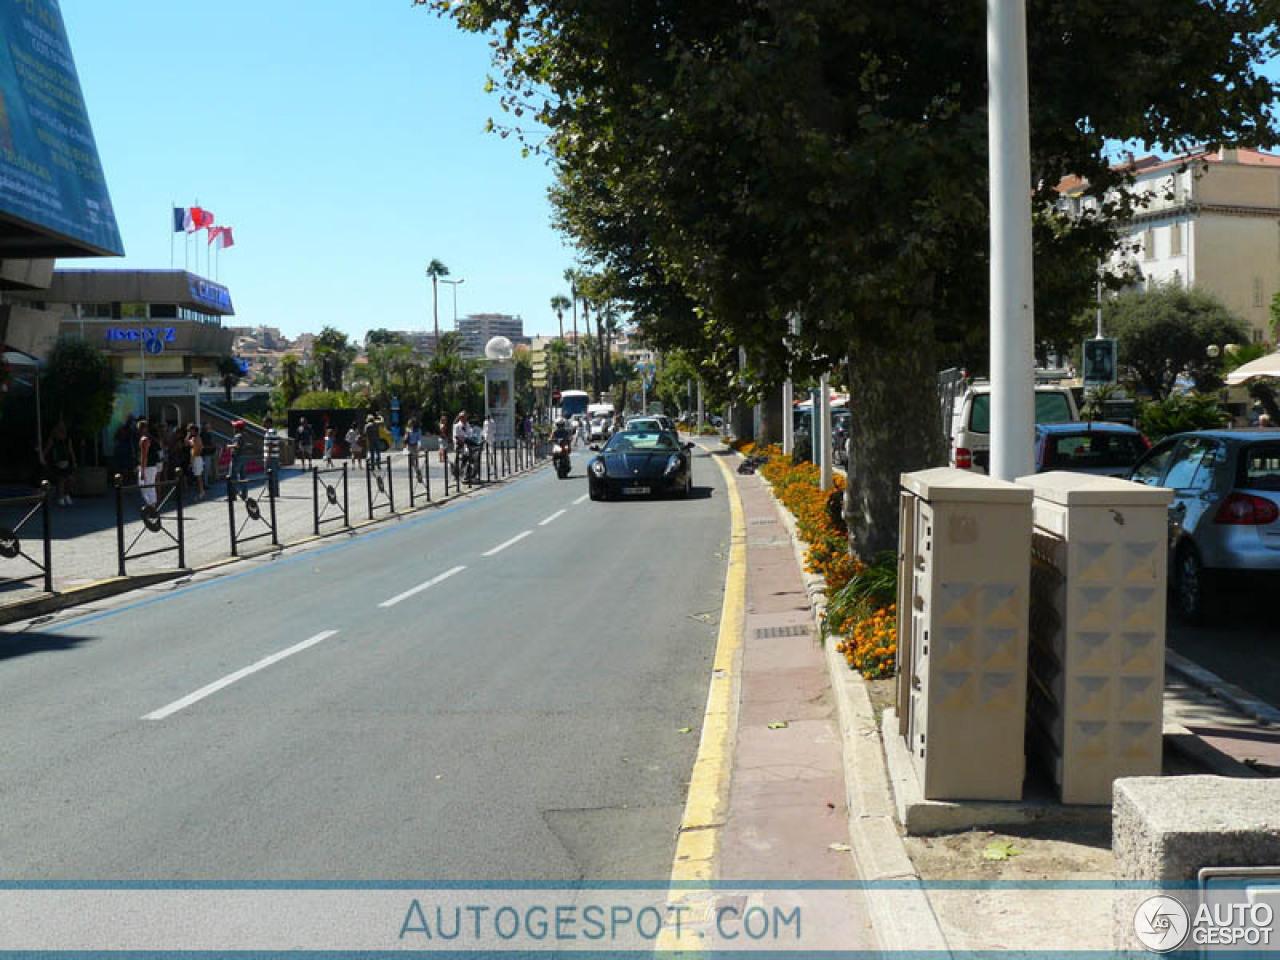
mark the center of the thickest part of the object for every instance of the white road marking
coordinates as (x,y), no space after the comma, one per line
(231,678)
(558,513)
(502,546)
(420,587)
(581,498)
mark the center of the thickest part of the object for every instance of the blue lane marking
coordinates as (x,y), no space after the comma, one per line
(361,536)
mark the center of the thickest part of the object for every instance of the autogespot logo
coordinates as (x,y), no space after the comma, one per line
(1161,924)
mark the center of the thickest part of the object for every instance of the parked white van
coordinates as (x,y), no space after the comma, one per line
(970,428)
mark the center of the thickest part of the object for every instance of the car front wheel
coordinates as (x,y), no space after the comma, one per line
(1192,591)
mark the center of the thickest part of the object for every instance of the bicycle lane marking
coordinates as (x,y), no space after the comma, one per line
(231,678)
(581,498)
(422,586)
(506,543)
(554,516)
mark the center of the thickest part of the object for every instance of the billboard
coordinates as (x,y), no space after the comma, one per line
(1099,357)
(53,194)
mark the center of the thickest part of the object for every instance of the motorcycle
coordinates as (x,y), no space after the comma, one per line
(560,457)
(466,465)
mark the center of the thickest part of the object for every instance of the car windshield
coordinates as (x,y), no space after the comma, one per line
(1089,449)
(640,440)
(1051,407)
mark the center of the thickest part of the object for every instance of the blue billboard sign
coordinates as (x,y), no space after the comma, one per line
(51,180)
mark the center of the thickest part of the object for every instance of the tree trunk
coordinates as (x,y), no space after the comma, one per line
(771,417)
(895,424)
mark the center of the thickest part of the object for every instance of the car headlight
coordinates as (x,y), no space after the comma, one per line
(597,467)
(673,463)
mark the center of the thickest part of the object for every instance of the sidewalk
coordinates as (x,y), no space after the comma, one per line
(85,543)
(822,779)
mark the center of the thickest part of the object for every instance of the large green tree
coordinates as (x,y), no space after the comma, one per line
(333,355)
(733,163)
(1167,332)
(78,387)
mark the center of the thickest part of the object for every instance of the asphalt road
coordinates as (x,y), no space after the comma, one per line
(1241,641)
(489,691)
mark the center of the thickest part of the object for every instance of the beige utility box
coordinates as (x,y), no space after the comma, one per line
(1097,630)
(962,632)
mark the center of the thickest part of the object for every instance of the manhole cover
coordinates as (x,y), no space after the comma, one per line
(796,630)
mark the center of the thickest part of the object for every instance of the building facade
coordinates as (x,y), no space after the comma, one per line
(477,329)
(1212,221)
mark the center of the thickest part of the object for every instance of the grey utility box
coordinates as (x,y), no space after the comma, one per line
(962,632)
(1097,630)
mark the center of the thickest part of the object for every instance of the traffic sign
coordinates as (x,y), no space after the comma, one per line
(555,396)
(153,346)
(1099,357)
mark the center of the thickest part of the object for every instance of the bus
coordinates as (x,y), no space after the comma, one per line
(573,403)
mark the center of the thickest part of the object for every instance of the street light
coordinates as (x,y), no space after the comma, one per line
(454,284)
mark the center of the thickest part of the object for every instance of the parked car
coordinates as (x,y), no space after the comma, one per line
(1225,516)
(1097,447)
(970,427)
(637,463)
(599,430)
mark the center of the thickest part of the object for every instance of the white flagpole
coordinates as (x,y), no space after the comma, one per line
(172,207)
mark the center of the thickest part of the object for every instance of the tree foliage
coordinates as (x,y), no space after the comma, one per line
(730,163)
(1166,332)
(333,355)
(79,387)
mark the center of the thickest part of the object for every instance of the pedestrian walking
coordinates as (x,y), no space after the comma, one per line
(355,444)
(148,462)
(373,439)
(238,449)
(179,454)
(60,454)
(124,446)
(271,455)
(306,442)
(195,451)
(412,441)
(443,427)
(486,432)
(328,447)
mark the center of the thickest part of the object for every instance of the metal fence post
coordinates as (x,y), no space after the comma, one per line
(368,485)
(391,486)
(120,525)
(46,517)
(426,476)
(315,500)
(231,509)
(271,498)
(182,541)
(346,501)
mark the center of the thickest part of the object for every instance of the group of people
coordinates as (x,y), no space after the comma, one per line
(162,452)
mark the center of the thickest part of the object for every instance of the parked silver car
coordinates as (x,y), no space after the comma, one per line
(1225,514)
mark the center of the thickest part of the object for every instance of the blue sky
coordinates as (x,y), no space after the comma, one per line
(343,141)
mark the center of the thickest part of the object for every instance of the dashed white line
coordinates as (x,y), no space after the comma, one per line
(502,546)
(558,513)
(231,678)
(581,498)
(420,587)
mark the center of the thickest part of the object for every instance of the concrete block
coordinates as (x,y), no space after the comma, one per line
(1167,828)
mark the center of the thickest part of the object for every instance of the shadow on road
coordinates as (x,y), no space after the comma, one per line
(1241,642)
(13,645)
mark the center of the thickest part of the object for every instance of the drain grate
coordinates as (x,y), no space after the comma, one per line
(797,630)
(760,522)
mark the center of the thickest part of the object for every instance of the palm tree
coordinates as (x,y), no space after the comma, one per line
(571,278)
(557,361)
(436,270)
(558,303)
(230,372)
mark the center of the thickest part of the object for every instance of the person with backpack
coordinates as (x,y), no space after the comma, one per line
(306,442)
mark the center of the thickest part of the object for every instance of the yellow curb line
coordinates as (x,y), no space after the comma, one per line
(698,841)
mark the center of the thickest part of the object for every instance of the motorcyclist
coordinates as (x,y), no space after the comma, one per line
(561,433)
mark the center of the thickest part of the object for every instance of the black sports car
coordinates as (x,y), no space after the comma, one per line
(637,463)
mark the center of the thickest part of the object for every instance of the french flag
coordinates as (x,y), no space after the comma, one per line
(191,219)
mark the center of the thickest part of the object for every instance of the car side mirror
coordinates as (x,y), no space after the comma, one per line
(687,445)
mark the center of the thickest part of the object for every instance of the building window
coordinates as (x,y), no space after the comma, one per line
(1179,189)
(1257,335)
(164,311)
(1175,240)
(1257,291)
(1149,244)
(133,311)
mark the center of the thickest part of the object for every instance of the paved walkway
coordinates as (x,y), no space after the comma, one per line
(787,815)
(85,542)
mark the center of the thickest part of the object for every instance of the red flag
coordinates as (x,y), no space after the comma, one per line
(222,237)
(200,219)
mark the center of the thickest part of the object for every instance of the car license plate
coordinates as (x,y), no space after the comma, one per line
(635,490)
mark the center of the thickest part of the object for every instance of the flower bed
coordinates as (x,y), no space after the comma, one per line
(853,589)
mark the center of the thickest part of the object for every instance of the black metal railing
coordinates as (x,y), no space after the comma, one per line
(419,467)
(379,486)
(250,495)
(334,504)
(161,516)
(11,545)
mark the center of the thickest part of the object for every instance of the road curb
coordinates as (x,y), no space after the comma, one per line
(905,922)
(115,586)
(1228,693)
